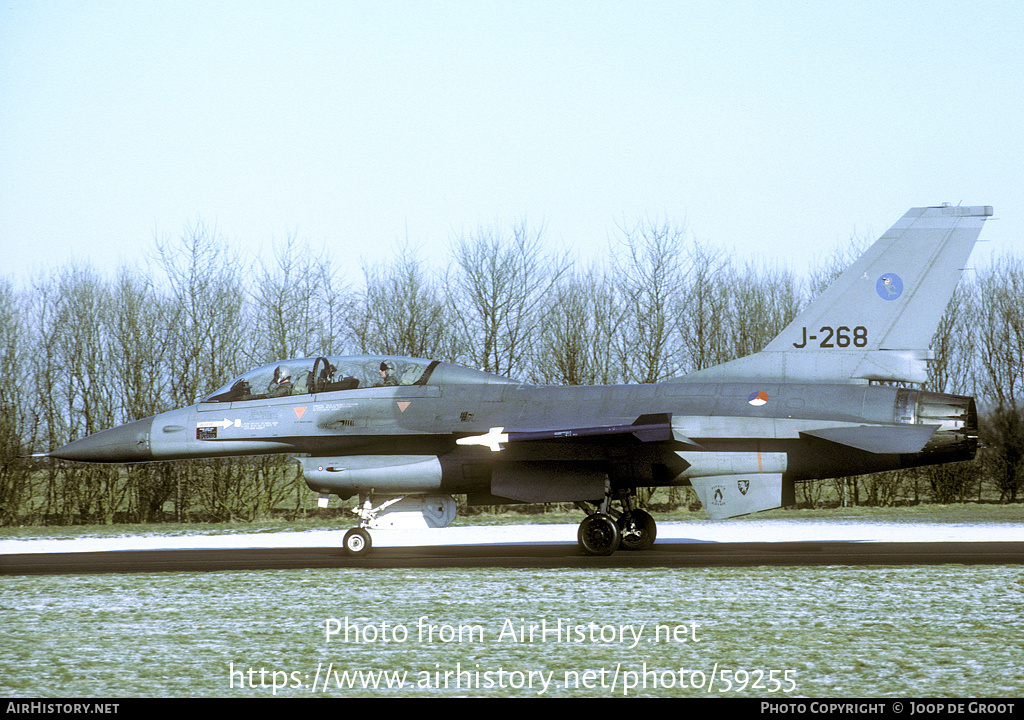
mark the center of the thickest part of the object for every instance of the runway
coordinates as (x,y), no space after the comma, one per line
(679,545)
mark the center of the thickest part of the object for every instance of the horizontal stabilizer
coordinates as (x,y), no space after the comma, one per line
(726,496)
(879,439)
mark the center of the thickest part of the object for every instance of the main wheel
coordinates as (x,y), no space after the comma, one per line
(598,535)
(638,530)
(357,542)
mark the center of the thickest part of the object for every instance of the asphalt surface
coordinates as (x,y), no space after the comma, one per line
(679,546)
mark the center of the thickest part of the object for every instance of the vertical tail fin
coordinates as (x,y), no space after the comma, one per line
(877,319)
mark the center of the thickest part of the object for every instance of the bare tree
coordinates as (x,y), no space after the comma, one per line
(1000,339)
(208,298)
(498,292)
(578,331)
(139,340)
(295,304)
(334,309)
(653,287)
(404,312)
(764,301)
(139,344)
(17,422)
(703,320)
(77,390)
(953,368)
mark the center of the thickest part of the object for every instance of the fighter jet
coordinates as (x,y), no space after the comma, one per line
(835,394)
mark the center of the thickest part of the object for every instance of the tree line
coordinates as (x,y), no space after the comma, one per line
(82,352)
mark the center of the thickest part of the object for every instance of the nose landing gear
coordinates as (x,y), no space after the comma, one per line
(357,542)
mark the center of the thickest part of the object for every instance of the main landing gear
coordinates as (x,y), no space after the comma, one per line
(605,530)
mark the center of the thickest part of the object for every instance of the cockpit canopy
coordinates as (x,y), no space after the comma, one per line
(306,376)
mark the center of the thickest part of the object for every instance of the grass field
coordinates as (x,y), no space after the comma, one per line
(945,631)
(761,632)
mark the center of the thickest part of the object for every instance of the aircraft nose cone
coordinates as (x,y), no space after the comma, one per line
(124,444)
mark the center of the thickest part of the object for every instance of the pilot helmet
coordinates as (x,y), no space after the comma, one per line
(282,373)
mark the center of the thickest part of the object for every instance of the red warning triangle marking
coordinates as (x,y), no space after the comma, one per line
(403,405)
(299,412)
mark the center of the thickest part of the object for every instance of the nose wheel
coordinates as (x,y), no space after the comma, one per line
(357,542)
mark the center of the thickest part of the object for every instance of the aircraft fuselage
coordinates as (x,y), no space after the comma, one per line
(717,428)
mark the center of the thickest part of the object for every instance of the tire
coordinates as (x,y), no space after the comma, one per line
(598,535)
(638,530)
(357,542)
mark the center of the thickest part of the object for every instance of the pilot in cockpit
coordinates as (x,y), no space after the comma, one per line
(387,374)
(281,385)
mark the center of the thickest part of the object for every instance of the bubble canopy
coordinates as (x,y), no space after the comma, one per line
(305,376)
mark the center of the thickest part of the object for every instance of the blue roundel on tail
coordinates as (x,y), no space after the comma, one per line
(889,286)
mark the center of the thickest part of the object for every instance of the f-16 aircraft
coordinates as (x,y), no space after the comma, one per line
(833,395)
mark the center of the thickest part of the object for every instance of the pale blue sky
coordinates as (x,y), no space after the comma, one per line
(775,128)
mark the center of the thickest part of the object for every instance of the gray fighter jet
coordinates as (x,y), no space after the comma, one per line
(832,395)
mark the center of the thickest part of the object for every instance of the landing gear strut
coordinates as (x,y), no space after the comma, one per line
(605,530)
